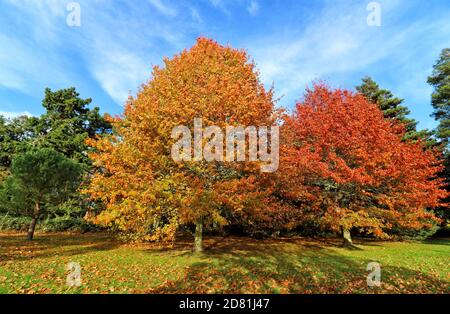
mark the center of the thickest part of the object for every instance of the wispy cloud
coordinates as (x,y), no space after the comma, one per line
(226,6)
(10,115)
(253,7)
(293,42)
(25,68)
(335,44)
(119,73)
(118,52)
(221,5)
(163,8)
(196,17)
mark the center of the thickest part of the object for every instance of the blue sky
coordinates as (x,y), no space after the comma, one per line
(292,42)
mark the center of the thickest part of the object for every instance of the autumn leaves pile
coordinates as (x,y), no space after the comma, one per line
(343,167)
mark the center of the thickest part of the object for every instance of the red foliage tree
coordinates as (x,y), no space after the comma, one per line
(343,162)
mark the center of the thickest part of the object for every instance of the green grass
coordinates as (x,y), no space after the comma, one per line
(229,265)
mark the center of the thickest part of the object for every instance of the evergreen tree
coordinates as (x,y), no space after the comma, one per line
(64,127)
(39,179)
(68,122)
(393,109)
(440,99)
(14,137)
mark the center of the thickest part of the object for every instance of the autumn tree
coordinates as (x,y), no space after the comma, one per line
(145,192)
(344,162)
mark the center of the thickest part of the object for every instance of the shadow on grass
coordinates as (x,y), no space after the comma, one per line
(437,241)
(247,266)
(16,248)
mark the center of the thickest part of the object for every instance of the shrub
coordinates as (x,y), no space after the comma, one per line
(12,223)
(56,224)
(66,223)
(414,234)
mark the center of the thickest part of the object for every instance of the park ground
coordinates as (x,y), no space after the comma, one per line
(229,265)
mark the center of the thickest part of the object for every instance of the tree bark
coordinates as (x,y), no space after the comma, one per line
(30,234)
(347,238)
(198,241)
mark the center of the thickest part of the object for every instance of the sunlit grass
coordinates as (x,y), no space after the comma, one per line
(229,265)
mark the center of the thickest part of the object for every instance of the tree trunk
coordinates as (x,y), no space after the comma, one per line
(347,237)
(198,242)
(33,222)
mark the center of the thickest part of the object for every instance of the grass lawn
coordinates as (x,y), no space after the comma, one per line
(229,265)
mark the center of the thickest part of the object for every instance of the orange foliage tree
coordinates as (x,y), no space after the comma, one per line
(146,193)
(344,164)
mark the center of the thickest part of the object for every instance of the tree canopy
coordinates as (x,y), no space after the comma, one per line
(145,191)
(344,162)
(39,178)
(64,127)
(349,161)
(393,109)
(440,99)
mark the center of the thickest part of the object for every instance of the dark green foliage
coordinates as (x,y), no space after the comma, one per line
(64,128)
(390,105)
(413,234)
(56,224)
(45,175)
(68,122)
(40,179)
(393,109)
(65,223)
(443,232)
(14,223)
(444,212)
(440,99)
(16,135)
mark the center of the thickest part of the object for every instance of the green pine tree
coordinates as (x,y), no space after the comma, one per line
(15,135)
(440,99)
(393,109)
(39,179)
(64,127)
(68,122)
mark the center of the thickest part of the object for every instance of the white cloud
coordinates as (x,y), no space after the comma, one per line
(163,8)
(217,3)
(196,15)
(119,41)
(253,8)
(338,41)
(220,4)
(41,17)
(11,114)
(120,61)
(119,73)
(117,51)
(25,68)
(339,47)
